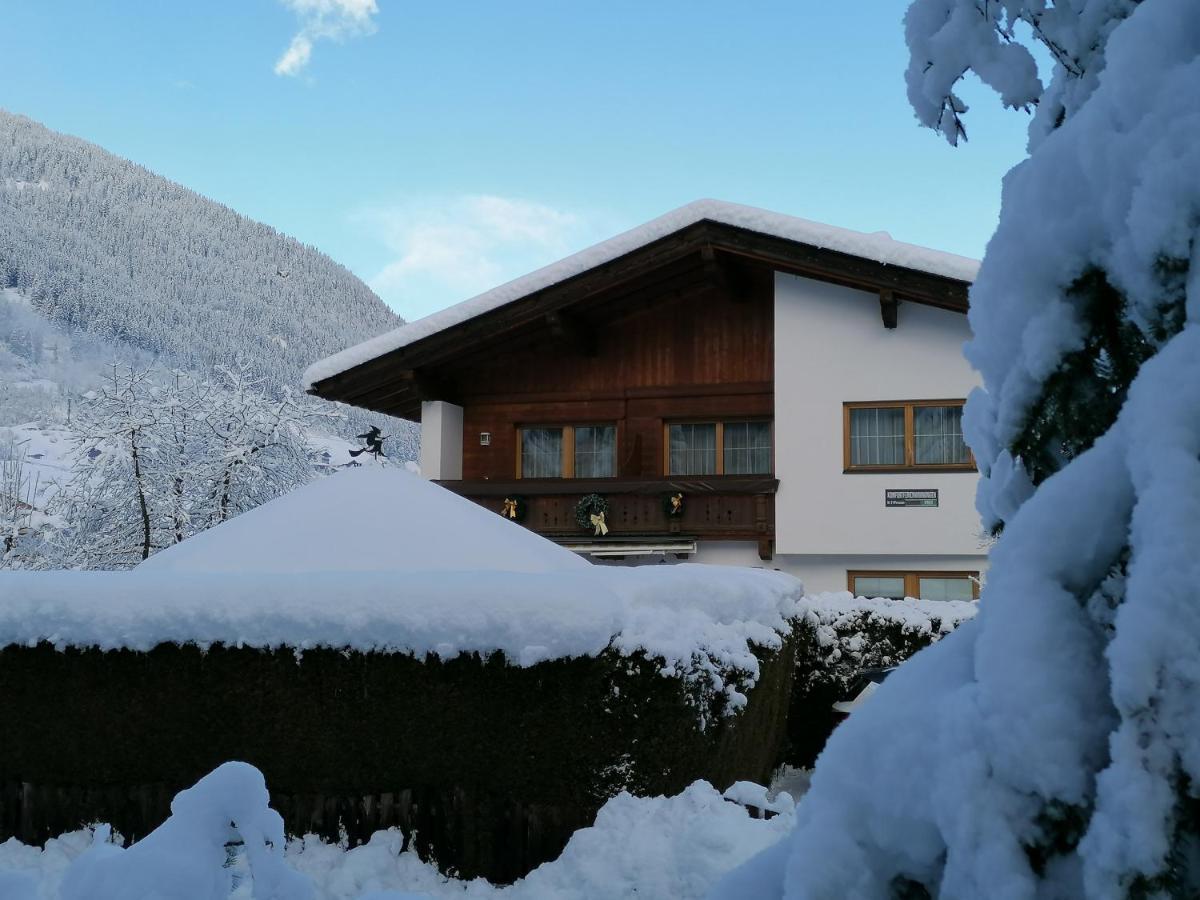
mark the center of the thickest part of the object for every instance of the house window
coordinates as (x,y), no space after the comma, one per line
(912,434)
(925,585)
(571,451)
(542,453)
(746,448)
(718,448)
(938,436)
(692,449)
(595,451)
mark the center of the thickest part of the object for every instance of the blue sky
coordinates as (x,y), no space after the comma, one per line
(439,149)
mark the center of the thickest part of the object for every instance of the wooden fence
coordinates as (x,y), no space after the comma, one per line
(490,766)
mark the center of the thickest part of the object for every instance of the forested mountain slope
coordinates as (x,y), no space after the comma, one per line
(100,245)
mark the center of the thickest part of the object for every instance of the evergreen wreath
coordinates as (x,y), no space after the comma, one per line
(673,504)
(514,507)
(591,505)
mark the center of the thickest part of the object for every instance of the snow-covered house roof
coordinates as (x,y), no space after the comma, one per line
(366,520)
(879,248)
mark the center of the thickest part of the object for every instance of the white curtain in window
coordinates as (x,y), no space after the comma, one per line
(877,436)
(937,431)
(693,449)
(747,448)
(541,452)
(595,451)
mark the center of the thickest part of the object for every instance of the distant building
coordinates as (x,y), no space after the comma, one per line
(797,387)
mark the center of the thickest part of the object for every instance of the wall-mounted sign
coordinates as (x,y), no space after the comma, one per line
(928,497)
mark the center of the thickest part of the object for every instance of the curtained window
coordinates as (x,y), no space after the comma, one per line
(718,448)
(909,434)
(746,447)
(937,431)
(541,453)
(693,449)
(877,436)
(595,451)
(567,451)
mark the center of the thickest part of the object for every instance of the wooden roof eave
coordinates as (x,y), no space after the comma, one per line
(387,382)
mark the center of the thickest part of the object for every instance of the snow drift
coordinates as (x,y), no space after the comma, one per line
(366,520)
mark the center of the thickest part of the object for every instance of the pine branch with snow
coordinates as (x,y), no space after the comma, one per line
(1051,746)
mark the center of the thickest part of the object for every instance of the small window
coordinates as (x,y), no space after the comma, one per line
(879,586)
(718,448)
(897,435)
(877,436)
(941,588)
(925,585)
(747,448)
(693,449)
(571,451)
(938,437)
(595,451)
(541,453)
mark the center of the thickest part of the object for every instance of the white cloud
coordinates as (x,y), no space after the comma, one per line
(446,251)
(324,20)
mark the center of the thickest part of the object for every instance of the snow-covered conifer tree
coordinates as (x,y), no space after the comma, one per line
(1051,748)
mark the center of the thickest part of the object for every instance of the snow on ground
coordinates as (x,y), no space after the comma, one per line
(878,246)
(657,848)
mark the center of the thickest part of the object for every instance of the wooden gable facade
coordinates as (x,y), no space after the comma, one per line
(680,330)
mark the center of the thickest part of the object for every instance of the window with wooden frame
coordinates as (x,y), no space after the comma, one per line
(567,451)
(730,447)
(899,435)
(923,585)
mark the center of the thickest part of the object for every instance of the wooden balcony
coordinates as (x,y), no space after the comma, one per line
(716,508)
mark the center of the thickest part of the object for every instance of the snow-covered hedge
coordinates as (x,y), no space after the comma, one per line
(491,713)
(838,637)
(702,623)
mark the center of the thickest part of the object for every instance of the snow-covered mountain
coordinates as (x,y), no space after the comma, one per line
(101,246)
(106,268)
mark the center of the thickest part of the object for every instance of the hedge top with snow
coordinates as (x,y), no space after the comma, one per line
(378,560)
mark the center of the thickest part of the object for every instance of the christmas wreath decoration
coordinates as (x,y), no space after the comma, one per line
(514,508)
(591,513)
(673,504)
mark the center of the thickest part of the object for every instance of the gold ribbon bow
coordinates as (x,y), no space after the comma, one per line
(598,524)
(510,508)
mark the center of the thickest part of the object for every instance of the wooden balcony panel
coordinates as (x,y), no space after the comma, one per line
(725,508)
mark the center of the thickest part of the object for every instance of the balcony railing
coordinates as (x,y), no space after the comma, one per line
(725,507)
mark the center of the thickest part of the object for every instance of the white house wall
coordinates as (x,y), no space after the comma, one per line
(831,347)
(441,440)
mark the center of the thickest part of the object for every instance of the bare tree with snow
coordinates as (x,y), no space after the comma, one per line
(163,455)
